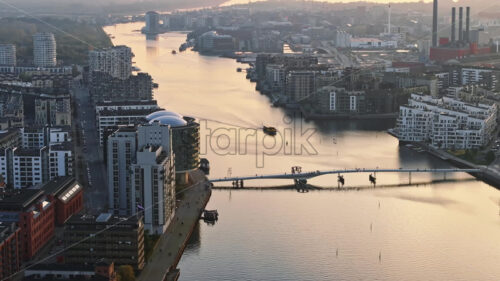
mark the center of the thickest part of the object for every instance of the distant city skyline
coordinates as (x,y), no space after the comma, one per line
(233,2)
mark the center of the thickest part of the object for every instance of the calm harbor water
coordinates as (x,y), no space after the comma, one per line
(433,231)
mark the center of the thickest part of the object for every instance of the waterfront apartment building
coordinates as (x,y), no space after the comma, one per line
(118,239)
(446,122)
(289,61)
(121,154)
(275,78)
(115,61)
(44,49)
(152,20)
(153,187)
(300,84)
(211,41)
(340,101)
(142,174)
(185,139)
(7,55)
(104,87)
(125,105)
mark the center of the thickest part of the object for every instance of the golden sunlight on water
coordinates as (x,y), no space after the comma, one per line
(433,231)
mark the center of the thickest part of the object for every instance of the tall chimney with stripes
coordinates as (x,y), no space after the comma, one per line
(435,24)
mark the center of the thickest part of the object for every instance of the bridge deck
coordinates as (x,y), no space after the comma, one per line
(308,175)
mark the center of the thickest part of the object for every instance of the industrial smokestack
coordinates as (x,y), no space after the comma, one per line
(460,24)
(467,25)
(453,32)
(435,24)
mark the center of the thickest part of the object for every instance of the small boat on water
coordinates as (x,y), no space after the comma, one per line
(174,52)
(205,166)
(210,215)
(271,131)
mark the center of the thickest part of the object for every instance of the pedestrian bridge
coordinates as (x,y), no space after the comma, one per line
(313,174)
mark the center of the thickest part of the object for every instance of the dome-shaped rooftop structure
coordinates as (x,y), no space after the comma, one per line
(160,113)
(173,121)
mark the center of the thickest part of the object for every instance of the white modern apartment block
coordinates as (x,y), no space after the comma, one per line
(44,49)
(125,105)
(60,160)
(275,77)
(29,167)
(111,119)
(446,122)
(115,61)
(155,133)
(38,137)
(33,137)
(478,75)
(7,55)
(153,176)
(58,134)
(153,187)
(121,154)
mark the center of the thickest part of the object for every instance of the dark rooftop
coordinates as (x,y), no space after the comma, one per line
(57,185)
(19,151)
(64,146)
(104,218)
(20,200)
(128,102)
(128,112)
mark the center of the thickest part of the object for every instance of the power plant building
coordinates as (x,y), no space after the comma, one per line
(451,48)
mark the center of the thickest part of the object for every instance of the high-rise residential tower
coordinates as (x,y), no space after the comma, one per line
(44,49)
(8,54)
(115,61)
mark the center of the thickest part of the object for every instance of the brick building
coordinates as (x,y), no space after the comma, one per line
(67,194)
(37,211)
(9,249)
(34,213)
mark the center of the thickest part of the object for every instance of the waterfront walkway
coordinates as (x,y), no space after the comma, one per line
(171,244)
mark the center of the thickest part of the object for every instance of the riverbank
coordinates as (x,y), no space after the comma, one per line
(169,250)
(488,175)
(313,116)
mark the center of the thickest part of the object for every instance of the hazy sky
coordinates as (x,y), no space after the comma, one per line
(345,1)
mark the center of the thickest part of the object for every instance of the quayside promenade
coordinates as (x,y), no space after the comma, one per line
(170,247)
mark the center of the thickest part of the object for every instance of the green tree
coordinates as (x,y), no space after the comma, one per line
(126,273)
